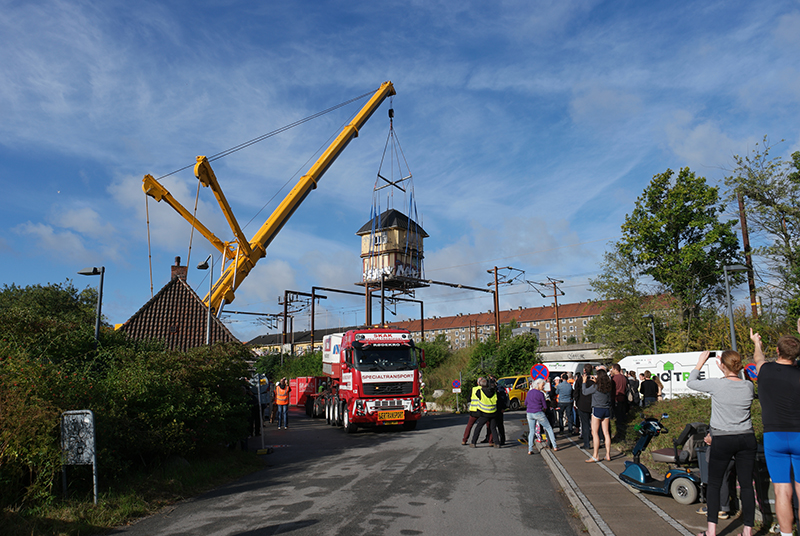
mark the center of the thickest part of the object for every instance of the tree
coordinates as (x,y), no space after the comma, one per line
(675,236)
(436,351)
(511,356)
(621,328)
(771,193)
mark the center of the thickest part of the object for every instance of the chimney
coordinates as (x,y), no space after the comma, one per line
(179,271)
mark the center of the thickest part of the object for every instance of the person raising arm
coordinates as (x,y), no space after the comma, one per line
(779,396)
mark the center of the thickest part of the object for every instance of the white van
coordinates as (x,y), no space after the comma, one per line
(673,370)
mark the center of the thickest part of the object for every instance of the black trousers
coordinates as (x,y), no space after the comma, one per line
(586,428)
(741,447)
(501,429)
(482,420)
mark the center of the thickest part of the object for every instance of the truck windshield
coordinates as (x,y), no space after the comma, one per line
(385,358)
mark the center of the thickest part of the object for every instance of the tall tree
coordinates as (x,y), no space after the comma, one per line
(771,190)
(675,236)
(621,328)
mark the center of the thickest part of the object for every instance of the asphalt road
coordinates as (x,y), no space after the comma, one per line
(321,481)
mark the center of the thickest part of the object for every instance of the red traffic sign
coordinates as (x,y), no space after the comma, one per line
(456,384)
(752,371)
(540,371)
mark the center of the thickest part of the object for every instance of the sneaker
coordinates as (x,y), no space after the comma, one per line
(473,445)
(723,515)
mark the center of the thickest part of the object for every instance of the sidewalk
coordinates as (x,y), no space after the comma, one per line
(609,507)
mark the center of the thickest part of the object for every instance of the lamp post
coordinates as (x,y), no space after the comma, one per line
(205,265)
(725,270)
(94,270)
(653,329)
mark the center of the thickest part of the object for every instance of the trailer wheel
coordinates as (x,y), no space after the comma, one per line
(349,426)
(683,490)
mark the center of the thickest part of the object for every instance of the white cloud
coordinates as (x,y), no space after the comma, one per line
(66,246)
(700,145)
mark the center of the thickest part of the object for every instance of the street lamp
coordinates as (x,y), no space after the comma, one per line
(205,265)
(725,270)
(653,329)
(101,272)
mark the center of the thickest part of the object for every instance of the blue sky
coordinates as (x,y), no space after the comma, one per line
(530,129)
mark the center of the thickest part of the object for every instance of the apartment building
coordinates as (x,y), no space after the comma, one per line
(464,329)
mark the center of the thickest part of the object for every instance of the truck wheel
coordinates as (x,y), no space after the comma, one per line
(341,409)
(514,405)
(335,417)
(683,490)
(349,426)
(410,425)
(327,411)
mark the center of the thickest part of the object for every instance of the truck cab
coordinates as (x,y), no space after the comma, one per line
(375,375)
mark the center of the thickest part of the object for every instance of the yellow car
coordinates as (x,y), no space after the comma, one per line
(516,387)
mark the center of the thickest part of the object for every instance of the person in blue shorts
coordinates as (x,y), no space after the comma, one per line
(779,394)
(601,393)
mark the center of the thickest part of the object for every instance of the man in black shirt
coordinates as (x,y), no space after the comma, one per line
(649,390)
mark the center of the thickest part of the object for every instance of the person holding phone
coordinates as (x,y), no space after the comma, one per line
(732,433)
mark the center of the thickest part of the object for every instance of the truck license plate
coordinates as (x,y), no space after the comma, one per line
(394,415)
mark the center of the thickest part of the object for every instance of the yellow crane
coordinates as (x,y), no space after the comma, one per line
(245,254)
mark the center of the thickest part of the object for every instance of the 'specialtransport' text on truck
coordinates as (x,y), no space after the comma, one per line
(373,379)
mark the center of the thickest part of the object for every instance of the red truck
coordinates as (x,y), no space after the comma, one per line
(373,379)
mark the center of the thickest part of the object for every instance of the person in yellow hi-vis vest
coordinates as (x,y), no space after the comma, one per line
(473,412)
(487,406)
(282,400)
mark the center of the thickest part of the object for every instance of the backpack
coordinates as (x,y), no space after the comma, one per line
(630,394)
(502,398)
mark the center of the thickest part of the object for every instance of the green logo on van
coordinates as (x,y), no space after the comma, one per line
(669,366)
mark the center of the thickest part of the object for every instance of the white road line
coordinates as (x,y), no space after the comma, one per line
(594,522)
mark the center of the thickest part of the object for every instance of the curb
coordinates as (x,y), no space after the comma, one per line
(576,497)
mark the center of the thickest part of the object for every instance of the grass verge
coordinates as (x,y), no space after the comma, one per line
(139,495)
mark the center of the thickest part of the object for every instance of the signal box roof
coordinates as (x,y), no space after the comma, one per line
(393,219)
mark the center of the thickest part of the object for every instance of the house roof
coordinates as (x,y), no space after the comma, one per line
(392,219)
(300,337)
(177,315)
(532,314)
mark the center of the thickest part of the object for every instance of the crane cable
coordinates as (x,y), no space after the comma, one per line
(231,151)
(149,253)
(194,218)
(270,134)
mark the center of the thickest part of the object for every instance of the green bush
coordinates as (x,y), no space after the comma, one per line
(149,403)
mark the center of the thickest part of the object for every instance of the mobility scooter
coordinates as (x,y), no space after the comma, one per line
(682,484)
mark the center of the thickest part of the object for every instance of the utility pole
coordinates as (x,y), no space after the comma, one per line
(748,256)
(507,280)
(556,292)
(496,307)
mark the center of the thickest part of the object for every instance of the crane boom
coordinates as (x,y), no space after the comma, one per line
(247,255)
